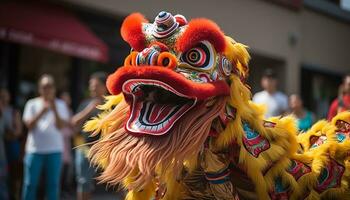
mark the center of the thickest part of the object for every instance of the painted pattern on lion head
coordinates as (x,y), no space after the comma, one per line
(174,67)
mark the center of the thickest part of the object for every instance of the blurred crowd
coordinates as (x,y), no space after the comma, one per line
(49,165)
(277,103)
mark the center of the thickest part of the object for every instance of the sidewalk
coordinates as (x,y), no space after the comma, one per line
(99,194)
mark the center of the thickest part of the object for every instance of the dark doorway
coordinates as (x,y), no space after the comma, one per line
(257,66)
(318,89)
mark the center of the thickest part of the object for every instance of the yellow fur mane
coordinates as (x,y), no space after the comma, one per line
(286,146)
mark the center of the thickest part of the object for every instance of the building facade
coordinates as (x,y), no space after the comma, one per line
(306,42)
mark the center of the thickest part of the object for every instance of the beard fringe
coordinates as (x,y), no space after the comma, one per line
(140,158)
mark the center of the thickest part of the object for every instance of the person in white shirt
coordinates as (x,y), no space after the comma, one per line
(44,117)
(275,101)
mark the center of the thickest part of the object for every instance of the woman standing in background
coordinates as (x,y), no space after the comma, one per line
(305,118)
(44,116)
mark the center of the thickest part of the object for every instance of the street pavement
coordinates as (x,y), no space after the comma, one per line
(101,193)
(97,196)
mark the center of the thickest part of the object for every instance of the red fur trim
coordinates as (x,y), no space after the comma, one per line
(187,87)
(199,30)
(131,31)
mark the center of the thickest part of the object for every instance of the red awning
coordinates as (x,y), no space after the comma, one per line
(50,27)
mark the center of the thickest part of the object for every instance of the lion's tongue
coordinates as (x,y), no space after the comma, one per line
(159,112)
(154,119)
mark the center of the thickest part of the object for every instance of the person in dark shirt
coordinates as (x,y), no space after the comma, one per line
(341,103)
(86,110)
(13,129)
(3,161)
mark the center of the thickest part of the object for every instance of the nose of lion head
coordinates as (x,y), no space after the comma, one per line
(155,55)
(149,56)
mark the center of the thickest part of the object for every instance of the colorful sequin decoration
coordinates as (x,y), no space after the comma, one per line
(269,124)
(253,142)
(341,137)
(343,130)
(229,114)
(343,126)
(280,190)
(298,169)
(218,177)
(321,140)
(330,176)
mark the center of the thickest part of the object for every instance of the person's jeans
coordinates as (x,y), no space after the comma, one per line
(84,172)
(3,179)
(34,163)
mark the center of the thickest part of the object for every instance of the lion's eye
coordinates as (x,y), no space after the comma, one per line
(201,56)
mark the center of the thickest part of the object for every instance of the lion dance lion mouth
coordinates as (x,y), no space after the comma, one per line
(159,97)
(180,124)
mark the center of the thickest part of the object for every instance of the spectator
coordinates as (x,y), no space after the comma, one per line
(87,109)
(44,117)
(305,118)
(275,101)
(67,131)
(342,103)
(3,162)
(13,130)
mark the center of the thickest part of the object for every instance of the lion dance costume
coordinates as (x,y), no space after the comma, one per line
(180,124)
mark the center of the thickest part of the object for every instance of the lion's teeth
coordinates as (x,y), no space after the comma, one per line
(137,124)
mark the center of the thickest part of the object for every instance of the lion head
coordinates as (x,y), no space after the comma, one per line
(179,78)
